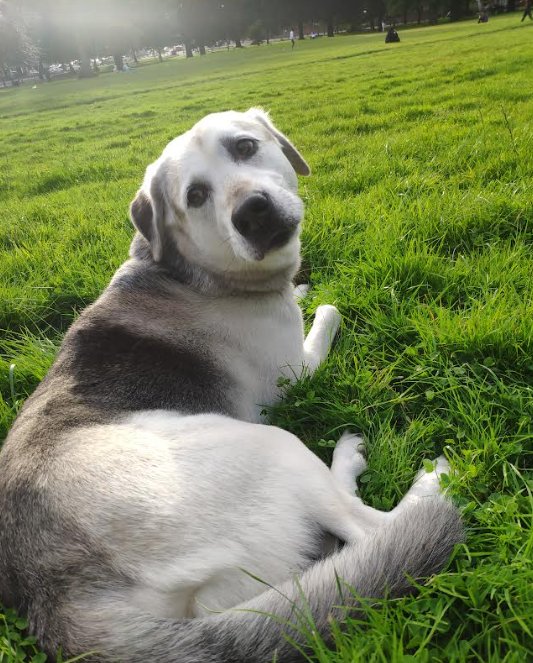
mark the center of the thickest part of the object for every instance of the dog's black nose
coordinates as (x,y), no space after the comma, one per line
(253,215)
(261,224)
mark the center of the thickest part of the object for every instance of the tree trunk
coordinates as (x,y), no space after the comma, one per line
(119,62)
(405,17)
(159,54)
(85,60)
(238,43)
(188,49)
(419,9)
(202,49)
(372,24)
(511,5)
(134,53)
(455,10)
(331,32)
(44,72)
(301,30)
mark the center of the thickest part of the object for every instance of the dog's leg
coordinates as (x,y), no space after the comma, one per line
(348,464)
(349,461)
(426,484)
(320,338)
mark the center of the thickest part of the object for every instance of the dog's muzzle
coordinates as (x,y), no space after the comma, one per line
(262,225)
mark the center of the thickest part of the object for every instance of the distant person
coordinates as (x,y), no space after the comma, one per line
(383,26)
(291,37)
(483,17)
(527,11)
(392,36)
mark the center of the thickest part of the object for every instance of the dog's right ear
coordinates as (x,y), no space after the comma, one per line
(147,212)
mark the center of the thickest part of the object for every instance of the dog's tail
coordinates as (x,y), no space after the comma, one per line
(416,545)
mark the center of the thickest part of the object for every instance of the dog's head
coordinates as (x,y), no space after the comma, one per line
(223,197)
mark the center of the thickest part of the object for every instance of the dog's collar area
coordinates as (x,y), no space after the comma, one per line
(175,266)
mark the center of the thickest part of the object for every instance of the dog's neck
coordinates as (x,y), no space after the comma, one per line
(176,266)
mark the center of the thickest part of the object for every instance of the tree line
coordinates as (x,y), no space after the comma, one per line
(40,32)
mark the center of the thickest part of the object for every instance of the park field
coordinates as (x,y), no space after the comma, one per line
(419,227)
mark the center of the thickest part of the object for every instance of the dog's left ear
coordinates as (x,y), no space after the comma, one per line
(295,158)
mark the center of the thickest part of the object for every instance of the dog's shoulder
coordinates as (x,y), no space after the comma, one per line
(136,348)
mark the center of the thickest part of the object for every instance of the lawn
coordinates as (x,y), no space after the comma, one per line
(419,227)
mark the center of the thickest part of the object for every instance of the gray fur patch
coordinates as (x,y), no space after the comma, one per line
(418,544)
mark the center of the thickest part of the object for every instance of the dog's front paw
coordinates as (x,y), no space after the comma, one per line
(301,291)
(330,318)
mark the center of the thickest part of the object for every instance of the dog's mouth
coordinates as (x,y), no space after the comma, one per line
(278,241)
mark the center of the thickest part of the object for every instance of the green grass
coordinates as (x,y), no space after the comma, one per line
(419,227)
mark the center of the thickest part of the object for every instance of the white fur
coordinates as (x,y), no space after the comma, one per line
(211,241)
(199,500)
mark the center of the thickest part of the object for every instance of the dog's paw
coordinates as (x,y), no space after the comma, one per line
(329,317)
(301,291)
(426,483)
(350,452)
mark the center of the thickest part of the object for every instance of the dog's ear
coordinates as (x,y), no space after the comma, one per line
(295,158)
(147,212)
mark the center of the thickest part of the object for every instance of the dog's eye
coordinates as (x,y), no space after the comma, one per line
(246,147)
(197,195)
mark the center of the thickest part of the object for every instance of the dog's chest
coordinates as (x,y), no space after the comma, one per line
(260,342)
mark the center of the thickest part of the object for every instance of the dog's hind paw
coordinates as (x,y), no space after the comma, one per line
(349,455)
(426,483)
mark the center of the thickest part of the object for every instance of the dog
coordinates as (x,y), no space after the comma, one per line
(142,496)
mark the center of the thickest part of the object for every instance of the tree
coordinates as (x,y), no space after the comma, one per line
(62,22)
(332,11)
(404,7)
(239,14)
(54,43)
(188,24)
(270,12)
(298,14)
(16,47)
(257,32)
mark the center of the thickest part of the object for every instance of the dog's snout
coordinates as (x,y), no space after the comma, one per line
(253,214)
(259,203)
(258,220)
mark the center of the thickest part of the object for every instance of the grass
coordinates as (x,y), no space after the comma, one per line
(419,227)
